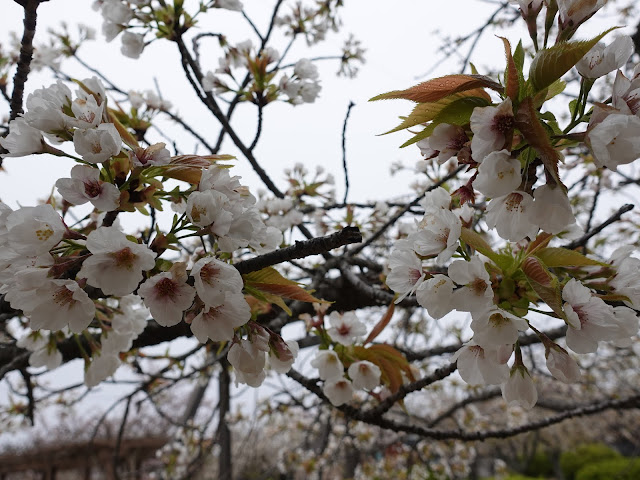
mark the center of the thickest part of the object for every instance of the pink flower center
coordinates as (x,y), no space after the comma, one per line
(477,350)
(92,188)
(344,330)
(443,238)
(414,275)
(166,288)
(209,273)
(124,258)
(512,204)
(478,286)
(63,297)
(503,123)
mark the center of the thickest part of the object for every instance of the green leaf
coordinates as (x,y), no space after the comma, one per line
(562,257)
(556,88)
(475,241)
(425,112)
(552,63)
(456,113)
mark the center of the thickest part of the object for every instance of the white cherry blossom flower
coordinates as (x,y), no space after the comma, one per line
(364,375)
(512,216)
(305,69)
(116,263)
(345,328)
(282,364)
(213,278)
(218,322)
(132,44)
(551,209)
(61,303)
(406,273)
(476,294)
(85,186)
(229,5)
(447,140)
(210,209)
(101,367)
(627,321)
(575,12)
(626,93)
(438,234)
(97,145)
(590,319)
(490,127)
(528,7)
(561,365)
(167,295)
(87,112)
(498,174)
(494,327)
(116,12)
(436,295)
(338,390)
(45,107)
(23,139)
(626,280)
(480,366)
(520,389)
(615,140)
(34,230)
(47,357)
(436,199)
(248,362)
(602,59)
(156,155)
(328,364)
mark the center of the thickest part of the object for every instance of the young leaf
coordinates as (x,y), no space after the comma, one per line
(188,168)
(552,63)
(529,125)
(384,321)
(512,85)
(544,283)
(561,257)
(437,88)
(425,112)
(456,113)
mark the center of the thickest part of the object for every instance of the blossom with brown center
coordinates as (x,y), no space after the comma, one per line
(167,295)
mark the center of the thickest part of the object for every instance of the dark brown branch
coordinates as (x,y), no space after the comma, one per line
(315,246)
(632,402)
(582,241)
(26,55)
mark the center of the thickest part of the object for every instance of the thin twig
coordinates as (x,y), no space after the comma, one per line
(582,241)
(344,151)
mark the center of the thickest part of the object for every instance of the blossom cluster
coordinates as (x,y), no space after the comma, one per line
(95,278)
(503,147)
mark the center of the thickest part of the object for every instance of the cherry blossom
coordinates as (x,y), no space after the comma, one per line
(480,366)
(281,359)
(476,294)
(328,364)
(512,216)
(218,322)
(34,231)
(248,361)
(626,93)
(338,390)
(551,209)
(167,295)
(520,389)
(590,319)
(345,328)
(85,186)
(213,278)
(438,234)
(575,12)
(101,367)
(406,273)
(364,375)
(494,327)
(116,264)
(615,140)
(436,199)
(97,145)
(23,139)
(561,365)
(132,44)
(498,174)
(436,295)
(601,60)
(447,140)
(60,303)
(210,209)
(626,281)
(490,127)
(155,154)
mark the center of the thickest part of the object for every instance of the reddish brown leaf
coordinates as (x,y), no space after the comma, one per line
(384,321)
(511,74)
(438,88)
(188,168)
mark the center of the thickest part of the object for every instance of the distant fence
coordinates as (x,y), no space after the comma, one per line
(85,461)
